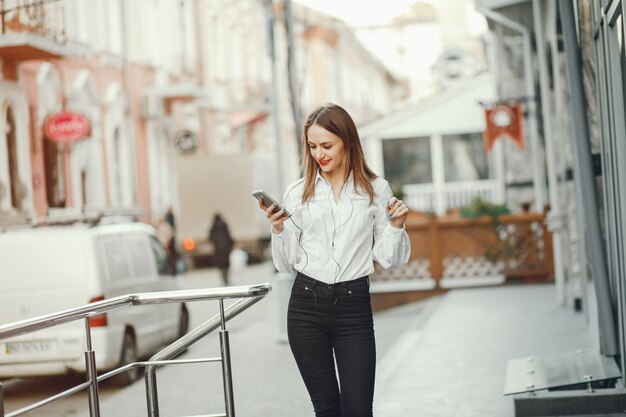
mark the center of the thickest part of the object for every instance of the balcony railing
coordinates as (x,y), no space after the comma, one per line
(32,29)
(438,199)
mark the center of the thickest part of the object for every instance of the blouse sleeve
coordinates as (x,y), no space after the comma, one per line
(285,244)
(392,246)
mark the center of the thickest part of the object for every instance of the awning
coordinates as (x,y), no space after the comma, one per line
(245,117)
(180,91)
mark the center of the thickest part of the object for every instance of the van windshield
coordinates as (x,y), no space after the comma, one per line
(34,261)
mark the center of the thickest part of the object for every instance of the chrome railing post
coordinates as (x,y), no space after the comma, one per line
(1,400)
(151,391)
(92,373)
(226,368)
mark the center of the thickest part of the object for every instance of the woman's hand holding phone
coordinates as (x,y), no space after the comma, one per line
(276,218)
(274,212)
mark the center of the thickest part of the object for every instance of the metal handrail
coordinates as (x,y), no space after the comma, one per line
(249,295)
(99,307)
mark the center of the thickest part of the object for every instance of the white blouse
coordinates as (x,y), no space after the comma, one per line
(338,241)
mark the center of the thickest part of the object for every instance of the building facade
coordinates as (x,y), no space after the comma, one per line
(97,60)
(265,68)
(431,47)
(567,58)
(165,87)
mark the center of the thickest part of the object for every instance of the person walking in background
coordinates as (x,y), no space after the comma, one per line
(169,217)
(172,249)
(222,245)
(165,234)
(342,219)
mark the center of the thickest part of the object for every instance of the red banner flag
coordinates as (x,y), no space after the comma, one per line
(504,120)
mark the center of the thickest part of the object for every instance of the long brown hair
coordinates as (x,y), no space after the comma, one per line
(336,120)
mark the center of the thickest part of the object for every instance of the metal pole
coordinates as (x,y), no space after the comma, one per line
(284,282)
(152,396)
(579,284)
(575,283)
(291,74)
(582,245)
(222,316)
(584,172)
(198,30)
(92,373)
(226,365)
(183,35)
(269,12)
(498,149)
(128,94)
(538,169)
(227,374)
(555,218)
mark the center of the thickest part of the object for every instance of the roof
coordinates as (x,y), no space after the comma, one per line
(455,110)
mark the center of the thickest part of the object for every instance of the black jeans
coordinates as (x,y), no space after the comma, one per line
(323,319)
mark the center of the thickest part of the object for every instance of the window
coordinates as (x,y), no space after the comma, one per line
(408,161)
(465,158)
(160,256)
(139,257)
(117,265)
(54,164)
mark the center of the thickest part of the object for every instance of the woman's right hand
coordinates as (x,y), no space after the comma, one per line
(277,219)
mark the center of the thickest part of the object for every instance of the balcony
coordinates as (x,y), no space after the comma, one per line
(32,29)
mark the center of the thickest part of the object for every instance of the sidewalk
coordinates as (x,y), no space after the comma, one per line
(452,361)
(441,357)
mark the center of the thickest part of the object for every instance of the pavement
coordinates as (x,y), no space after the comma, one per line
(452,361)
(441,357)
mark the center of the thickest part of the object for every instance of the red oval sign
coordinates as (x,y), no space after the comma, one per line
(66,127)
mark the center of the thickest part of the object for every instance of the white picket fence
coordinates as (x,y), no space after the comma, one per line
(438,198)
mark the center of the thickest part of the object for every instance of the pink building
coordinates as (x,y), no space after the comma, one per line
(44,74)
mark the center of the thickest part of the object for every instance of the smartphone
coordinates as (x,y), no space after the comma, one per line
(268,201)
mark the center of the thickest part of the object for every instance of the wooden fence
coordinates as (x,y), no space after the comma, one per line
(450,251)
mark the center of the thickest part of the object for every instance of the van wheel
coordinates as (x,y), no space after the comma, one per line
(183,326)
(128,355)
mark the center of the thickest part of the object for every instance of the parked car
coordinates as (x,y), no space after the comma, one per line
(52,268)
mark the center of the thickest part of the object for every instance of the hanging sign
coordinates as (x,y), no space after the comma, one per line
(504,120)
(67,127)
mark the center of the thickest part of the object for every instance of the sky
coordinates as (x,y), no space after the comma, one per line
(360,12)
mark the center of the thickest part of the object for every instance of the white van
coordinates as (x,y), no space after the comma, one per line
(52,268)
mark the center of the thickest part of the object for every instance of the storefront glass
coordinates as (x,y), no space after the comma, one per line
(408,161)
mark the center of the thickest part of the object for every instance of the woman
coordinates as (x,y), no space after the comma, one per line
(222,245)
(343,217)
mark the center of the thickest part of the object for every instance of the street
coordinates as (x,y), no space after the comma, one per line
(266,380)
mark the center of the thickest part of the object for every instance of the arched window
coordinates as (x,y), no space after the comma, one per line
(55,173)
(49,94)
